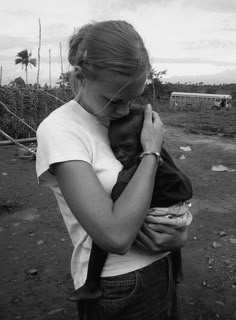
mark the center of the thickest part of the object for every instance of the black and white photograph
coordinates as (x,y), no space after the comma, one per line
(118,160)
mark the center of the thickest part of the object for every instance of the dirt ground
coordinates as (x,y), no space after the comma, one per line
(35,247)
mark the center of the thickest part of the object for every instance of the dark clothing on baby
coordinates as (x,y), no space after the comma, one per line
(171,187)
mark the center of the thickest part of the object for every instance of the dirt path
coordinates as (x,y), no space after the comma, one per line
(210,275)
(35,248)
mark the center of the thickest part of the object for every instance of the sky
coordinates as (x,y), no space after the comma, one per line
(194,40)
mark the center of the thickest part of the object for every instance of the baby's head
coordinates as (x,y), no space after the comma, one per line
(124,135)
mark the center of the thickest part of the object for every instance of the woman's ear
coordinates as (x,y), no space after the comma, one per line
(79,74)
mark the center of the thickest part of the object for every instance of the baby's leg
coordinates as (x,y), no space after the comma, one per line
(91,289)
(176,258)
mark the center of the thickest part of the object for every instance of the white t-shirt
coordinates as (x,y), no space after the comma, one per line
(71,133)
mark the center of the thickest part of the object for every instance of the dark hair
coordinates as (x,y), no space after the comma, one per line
(111,45)
(133,121)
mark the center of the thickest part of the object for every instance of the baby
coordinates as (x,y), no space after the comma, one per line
(171,192)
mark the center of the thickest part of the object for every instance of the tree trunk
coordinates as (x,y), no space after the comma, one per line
(61,60)
(1,76)
(50,71)
(26,74)
(153,93)
(39,54)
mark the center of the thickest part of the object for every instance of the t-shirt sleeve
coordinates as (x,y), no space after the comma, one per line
(59,144)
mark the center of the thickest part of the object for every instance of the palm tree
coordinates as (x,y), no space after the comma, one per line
(24,57)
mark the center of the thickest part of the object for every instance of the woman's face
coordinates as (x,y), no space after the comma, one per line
(104,99)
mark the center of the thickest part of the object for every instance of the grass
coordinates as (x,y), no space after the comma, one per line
(202,121)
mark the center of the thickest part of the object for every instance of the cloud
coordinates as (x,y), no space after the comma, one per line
(227,6)
(194,60)
(133,5)
(18,13)
(122,3)
(211,43)
(226,76)
(228,29)
(55,33)
(11,42)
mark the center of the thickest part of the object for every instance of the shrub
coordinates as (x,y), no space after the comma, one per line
(31,105)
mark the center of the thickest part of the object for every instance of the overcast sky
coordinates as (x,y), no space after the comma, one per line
(194,40)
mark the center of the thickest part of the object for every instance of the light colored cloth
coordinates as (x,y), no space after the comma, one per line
(71,133)
(177,216)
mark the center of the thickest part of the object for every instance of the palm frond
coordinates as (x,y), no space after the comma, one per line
(18,60)
(24,54)
(33,61)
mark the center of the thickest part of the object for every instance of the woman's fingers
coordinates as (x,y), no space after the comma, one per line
(148,113)
(145,242)
(155,116)
(159,126)
(153,132)
(160,241)
(152,224)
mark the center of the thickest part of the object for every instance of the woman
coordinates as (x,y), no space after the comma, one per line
(75,160)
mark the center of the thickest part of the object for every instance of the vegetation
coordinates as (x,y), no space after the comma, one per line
(33,105)
(29,104)
(24,57)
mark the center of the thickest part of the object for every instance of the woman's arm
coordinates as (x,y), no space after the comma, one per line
(112,226)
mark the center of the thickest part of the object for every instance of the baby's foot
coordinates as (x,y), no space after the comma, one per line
(85,293)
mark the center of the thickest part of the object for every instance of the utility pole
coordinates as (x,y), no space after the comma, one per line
(61,60)
(39,54)
(0,75)
(50,78)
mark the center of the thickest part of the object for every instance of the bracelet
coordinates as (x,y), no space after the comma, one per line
(156,154)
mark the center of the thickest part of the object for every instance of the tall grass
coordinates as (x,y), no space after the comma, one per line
(29,104)
(34,105)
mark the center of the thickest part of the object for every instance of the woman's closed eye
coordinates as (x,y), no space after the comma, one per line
(119,101)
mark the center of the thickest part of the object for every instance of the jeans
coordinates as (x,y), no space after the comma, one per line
(145,294)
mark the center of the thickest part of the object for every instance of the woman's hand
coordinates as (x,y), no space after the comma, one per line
(160,238)
(153,131)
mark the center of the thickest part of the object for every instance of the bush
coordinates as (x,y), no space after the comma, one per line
(31,105)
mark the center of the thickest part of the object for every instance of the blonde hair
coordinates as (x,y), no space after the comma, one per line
(108,45)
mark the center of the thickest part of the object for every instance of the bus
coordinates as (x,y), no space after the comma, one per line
(187,100)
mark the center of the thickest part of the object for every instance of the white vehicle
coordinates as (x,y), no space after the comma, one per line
(183,100)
